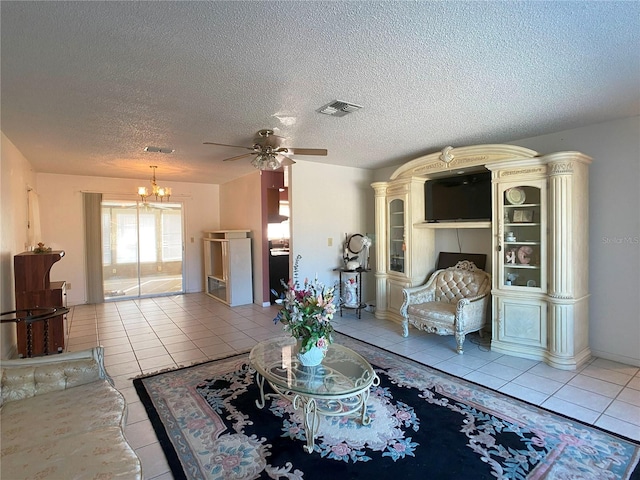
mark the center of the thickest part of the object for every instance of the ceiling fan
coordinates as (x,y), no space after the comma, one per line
(269,152)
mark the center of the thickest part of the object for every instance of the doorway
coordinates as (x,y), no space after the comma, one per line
(275,217)
(142,249)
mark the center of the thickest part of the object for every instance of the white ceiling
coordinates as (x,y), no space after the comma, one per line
(87,85)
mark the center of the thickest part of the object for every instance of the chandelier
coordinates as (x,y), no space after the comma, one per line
(159,192)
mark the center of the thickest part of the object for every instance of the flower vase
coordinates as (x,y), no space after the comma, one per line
(351,294)
(312,357)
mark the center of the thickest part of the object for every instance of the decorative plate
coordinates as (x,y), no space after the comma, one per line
(524,254)
(515,196)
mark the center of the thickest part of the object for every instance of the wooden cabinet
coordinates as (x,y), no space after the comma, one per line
(540,245)
(33,288)
(227,266)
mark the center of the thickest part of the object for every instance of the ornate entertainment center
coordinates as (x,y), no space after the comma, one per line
(540,245)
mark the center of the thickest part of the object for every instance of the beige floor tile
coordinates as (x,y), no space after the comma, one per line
(596,385)
(157,362)
(584,398)
(153,461)
(117,358)
(624,411)
(180,347)
(140,434)
(189,357)
(145,353)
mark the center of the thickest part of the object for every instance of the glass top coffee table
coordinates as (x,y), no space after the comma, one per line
(339,386)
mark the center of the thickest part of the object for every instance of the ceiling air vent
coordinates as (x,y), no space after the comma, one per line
(158,149)
(338,108)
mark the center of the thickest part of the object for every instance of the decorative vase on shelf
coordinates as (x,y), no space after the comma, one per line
(312,357)
(350,294)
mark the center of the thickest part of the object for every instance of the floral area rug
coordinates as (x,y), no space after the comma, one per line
(424,424)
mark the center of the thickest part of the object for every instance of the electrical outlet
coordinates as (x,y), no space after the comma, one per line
(113,271)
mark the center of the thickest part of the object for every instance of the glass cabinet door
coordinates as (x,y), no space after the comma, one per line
(397,245)
(523,237)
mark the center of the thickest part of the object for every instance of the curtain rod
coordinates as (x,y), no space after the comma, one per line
(129,194)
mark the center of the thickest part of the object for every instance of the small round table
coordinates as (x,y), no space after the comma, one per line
(339,386)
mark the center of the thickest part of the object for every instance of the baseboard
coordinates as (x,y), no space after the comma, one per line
(635,362)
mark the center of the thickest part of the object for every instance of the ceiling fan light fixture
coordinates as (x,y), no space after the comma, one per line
(268,153)
(266,161)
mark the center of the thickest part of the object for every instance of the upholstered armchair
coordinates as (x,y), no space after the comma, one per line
(453,302)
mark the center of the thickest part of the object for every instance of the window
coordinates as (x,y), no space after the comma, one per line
(148,246)
(126,237)
(171,236)
(106,238)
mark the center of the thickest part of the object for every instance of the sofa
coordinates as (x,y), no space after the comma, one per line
(61,418)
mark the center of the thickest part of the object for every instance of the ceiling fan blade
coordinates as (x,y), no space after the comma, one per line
(307,151)
(286,161)
(237,157)
(225,145)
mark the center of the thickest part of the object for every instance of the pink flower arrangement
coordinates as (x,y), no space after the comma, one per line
(307,311)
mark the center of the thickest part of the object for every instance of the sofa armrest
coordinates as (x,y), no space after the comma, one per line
(416,295)
(471,312)
(24,378)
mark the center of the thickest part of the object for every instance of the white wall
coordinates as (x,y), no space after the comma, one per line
(63,224)
(614,231)
(327,202)
(467,240)
(241,209)
(15,174)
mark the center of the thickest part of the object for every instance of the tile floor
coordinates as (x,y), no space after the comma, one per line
(143,336)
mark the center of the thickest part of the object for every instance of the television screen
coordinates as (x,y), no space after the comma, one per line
(459,198)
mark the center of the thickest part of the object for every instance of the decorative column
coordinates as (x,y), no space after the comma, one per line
(568,319)
(380,273)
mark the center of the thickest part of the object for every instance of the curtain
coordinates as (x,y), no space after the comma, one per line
(92,204)
(34,234)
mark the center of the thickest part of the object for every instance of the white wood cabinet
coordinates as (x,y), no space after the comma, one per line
(402,248)
(540,241)
(540,283)
(227,266)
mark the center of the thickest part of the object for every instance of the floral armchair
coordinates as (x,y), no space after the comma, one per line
(453,302)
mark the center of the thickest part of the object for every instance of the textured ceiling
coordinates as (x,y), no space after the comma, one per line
(87,85)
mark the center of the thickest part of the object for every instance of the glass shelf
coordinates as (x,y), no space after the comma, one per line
(396,235)
(522,239)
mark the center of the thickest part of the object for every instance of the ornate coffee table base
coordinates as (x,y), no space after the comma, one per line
(312,406)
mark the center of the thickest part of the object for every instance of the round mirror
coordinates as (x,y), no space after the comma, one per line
(356,243)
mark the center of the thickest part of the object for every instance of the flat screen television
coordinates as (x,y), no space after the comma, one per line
(460,198)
